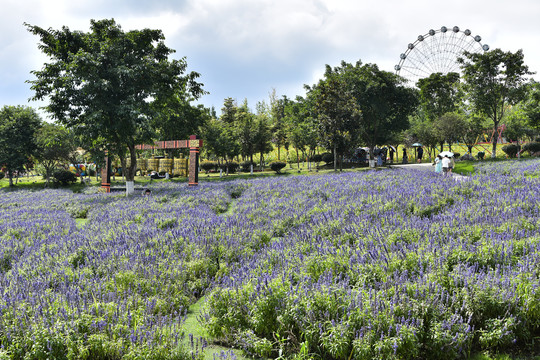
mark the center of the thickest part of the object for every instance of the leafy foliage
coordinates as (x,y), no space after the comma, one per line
(439,94)
(511,150)
(493,80)
(107,84)
(55,145)
(64,177)
(208,166)
(18,127)
(532,147)
(277,166)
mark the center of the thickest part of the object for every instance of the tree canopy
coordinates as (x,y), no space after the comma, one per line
(55,144)
(494,80)
(439,94)
(109,84)
(18,128)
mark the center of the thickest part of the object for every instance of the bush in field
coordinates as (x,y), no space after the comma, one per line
(208,166)
(277,166)
(231,165)
(327,158)
(511,150)
(532,147)
(245,166)
(64,177)
(317,158)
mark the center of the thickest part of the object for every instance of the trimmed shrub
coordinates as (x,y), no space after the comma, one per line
(316,158)
(277,166)
(327,158)
(208,166)
(245,166)
(532,147)
(232,165)
(64,177)
(511,150)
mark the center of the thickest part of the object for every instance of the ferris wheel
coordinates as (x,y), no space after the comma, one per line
(437,52)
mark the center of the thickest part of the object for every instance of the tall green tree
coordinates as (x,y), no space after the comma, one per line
(450,127)
(439,94)
(421,130)
(303,133)
(517,124)
(228,111)
(383,99)
(531,105)
(108,84)
(245,130)
(55,146)
(18,128)
(338,112)
(474,128)
(262,143)
(279,127)
(494,80)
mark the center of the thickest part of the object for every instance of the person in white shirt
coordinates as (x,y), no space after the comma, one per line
(445,164)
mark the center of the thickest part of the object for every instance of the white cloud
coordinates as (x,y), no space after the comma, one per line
(245,48)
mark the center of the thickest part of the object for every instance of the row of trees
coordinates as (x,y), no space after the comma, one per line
(114,89)
(26,140)
(358,104)
(494,89)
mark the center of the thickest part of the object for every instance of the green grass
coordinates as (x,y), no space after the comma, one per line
(192,326)
(464,167)
(81,222)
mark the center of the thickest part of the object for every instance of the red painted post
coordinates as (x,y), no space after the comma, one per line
(106,174)
(194,145)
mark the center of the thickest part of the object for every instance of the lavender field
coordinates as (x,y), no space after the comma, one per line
(391,264)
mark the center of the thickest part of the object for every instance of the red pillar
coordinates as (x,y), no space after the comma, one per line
(194,145)
(106,174)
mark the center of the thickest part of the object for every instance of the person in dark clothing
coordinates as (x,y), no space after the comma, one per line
(420,154)
(404,161)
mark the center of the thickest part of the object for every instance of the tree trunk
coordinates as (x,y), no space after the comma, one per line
(335,157)
(494,145)
(130,171)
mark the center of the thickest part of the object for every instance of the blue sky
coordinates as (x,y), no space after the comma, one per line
(246,48)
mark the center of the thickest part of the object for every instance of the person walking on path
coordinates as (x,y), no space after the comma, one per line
(445,164)
(451,165)
(420,154)
(438,164)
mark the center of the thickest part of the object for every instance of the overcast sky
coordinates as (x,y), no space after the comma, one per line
(245,48)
